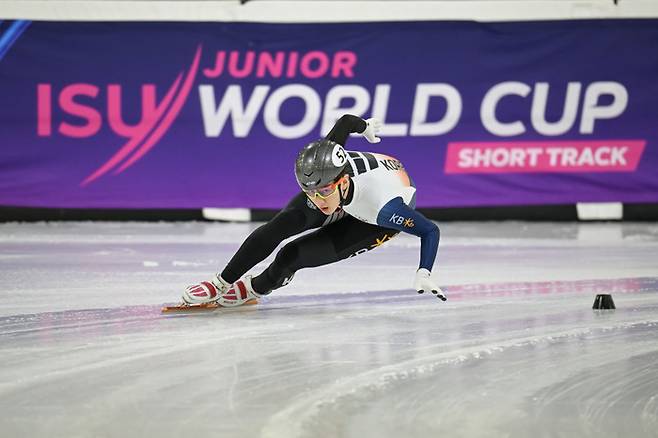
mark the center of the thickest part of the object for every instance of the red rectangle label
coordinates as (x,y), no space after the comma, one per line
(544,156)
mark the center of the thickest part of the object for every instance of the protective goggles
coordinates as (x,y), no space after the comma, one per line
(325,191)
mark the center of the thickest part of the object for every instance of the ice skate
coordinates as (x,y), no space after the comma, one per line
(239,294)
(209,295)
(206,291)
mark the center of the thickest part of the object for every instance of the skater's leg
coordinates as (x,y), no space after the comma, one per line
(295,218)
(299,215)
(337,241)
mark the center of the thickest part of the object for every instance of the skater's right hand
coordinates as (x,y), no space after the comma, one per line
(423,283)
(373,126)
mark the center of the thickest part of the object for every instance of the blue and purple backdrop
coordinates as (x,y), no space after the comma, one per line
(189,115)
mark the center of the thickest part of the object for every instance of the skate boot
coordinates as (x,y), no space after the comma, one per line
(206,291)
(240,293)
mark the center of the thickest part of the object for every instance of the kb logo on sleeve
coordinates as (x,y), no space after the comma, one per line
(401,220)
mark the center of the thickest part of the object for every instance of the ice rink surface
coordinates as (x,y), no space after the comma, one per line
(347,350)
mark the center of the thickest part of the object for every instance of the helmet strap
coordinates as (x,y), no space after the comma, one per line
(340,195)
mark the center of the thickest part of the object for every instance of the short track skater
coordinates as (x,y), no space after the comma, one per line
(354,202)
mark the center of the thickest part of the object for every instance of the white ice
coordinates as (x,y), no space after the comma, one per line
(347,350)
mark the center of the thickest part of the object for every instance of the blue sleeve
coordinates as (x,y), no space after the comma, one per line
(399,216)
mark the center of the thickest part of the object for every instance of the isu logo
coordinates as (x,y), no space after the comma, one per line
(156,118)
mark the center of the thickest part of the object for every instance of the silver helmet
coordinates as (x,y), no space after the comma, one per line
(320,163)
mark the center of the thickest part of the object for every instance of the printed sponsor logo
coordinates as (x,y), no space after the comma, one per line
(376,244)
(287,280)
(390,164)
(544,156)
(360,251)
(384,239)
(401,220)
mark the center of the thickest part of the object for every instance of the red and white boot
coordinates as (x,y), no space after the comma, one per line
(206,291)
(240,293)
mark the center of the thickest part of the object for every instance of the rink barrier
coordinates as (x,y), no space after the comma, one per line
(535,213)
(28,214)
(227,214)
(600,211)
(283,11)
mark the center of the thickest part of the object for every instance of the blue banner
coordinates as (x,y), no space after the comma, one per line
(189,115)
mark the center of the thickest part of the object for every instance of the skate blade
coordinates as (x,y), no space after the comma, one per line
(205,307)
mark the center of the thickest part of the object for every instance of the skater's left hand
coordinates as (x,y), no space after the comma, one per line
(373,126)
(423,283)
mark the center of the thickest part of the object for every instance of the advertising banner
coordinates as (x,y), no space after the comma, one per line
(192,115)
